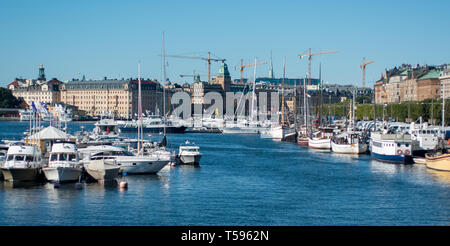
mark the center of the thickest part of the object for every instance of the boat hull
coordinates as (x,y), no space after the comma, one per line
(319,143)
(190,159)
(237,130)
(147,167)
(356,148)
(170,129)
(396,159)
(440,163)
(20,174)
(302,141)
(62,174)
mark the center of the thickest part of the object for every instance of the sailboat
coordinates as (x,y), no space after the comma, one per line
(350,142)
(302,138)
(244,126)
(282,131)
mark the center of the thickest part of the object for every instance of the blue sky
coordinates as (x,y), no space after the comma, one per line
(108,38)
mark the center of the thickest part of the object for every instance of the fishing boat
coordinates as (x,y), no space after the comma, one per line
(391,148)
(321,139)
(439,161)
(189,153)
(23,163)
(63,164)
(349,143)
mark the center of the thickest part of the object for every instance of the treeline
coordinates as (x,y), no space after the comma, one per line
(7,100)
(428,109)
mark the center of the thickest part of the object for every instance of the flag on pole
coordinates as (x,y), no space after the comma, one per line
(33,107)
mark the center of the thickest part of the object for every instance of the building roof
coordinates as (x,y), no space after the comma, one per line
(432,74)
(50,133)
(15,83)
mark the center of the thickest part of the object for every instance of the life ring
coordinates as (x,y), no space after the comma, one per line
(399,152)
(406,152)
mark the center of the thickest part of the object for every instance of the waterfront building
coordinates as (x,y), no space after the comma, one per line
(119,97)
(408,83)
(445,82)
(428,86)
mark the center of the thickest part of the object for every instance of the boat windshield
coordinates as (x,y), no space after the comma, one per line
(10,158)
(19,157)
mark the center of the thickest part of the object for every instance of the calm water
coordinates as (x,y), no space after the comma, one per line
(243,180)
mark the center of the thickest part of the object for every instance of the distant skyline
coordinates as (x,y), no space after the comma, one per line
(108,38)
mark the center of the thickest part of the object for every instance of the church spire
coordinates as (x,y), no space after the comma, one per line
(271,67)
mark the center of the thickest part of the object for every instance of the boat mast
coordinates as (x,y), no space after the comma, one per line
(164,83)
(305,117)
(253,93)
(140,133)
(443,110)
(319,91)
(282,94)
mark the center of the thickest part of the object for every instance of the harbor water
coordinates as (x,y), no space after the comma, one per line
(241,180)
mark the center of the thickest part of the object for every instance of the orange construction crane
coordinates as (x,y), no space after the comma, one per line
(309,55)
(363,67)
(207,59)
(241,67)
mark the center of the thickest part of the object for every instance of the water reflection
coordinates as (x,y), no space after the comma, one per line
(440,176)
(20,184)
(389,169)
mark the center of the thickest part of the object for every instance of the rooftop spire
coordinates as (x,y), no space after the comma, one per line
(271,67)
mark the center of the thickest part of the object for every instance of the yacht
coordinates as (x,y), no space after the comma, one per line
(241,127)
(349,143)
(64,164)
(128,162)
(25,115)
(189,154)
(390,147)
(152,124)
(23,163)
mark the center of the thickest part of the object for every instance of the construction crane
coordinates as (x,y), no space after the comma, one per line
(241,67)
(207,59)
(363,67)
(309,55)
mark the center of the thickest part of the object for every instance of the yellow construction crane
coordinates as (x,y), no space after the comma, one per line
(207,59)
(241,67)
(309,55)
(363,67)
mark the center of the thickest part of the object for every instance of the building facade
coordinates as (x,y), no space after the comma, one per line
(120,97)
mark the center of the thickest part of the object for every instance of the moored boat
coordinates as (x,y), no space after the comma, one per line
(391,148)
(349,143)
(440,162)
(64,164)
(189,154)
(321,139)
(102,170)
(23,163)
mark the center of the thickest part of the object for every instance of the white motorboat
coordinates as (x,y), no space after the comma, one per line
(103,170)
(64,164)
(23,163)
(127,162)
(279,132)
(349,143)
(189,154)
